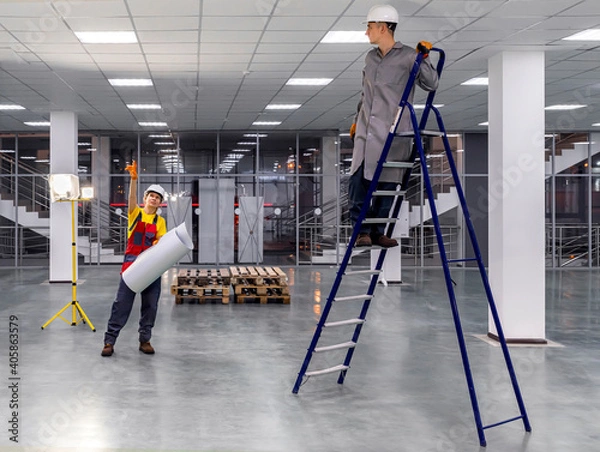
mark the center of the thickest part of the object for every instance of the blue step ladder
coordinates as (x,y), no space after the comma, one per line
(357,323)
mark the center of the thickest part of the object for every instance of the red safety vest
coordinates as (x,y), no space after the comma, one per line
(141,238)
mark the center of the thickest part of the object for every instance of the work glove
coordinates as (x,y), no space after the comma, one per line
(424,47)
(352,131)
(132,169)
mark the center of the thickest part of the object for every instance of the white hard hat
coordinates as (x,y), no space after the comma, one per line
(155,189)
(382,13)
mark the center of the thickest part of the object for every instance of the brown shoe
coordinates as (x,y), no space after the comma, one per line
(146,348)
(108,350)
(363,240)
(386,242)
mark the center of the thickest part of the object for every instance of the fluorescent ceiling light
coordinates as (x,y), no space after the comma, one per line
(144,106)
(283,106)
(11,107)
(37,123)
(256,135)
(106,37)
(160,135)
(164,143)
(597,124)
(560,107)
(309,81)
(480,81)
(593,34)
(152,124)
(42,160)
(422,106)
(486,123)
(345,134)
(28,157)
(84,144)
(266,123)
(7,151)
(246,143)
(240,150)
(130,81)
(345,37)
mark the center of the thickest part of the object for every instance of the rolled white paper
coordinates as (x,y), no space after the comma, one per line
(157,259)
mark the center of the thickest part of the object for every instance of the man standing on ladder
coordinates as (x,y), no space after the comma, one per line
(387,69)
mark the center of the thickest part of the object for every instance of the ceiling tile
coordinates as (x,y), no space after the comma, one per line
(167,36)
(168,23)
(144,8)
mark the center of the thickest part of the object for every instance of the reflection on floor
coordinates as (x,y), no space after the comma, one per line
(222,375)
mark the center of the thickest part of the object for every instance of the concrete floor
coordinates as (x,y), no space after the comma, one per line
(222,376)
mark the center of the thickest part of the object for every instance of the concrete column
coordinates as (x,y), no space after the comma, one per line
(516,194)
(63,160)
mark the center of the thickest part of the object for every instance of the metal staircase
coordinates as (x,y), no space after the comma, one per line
(25,201)
(356,323)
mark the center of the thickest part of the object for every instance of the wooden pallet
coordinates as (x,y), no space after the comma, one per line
(260,285)
(257,275)
(202,276)
(201,299)
(202,286)
(263,299)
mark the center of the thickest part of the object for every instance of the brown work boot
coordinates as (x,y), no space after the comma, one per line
(363,240)
(146,348)
(108,350)
(386,242)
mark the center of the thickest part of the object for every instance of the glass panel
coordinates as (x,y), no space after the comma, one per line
(237,153)
(198,152)
(571,199)
(572,235)
(346,146)
(277,153)
(311,152)
(84,154)
(279,229)
(571,154)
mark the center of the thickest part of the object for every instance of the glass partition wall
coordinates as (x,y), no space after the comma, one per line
(572,200)
(272,198)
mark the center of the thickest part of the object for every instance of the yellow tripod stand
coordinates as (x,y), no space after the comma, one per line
(75,306)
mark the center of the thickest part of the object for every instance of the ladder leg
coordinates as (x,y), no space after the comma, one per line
(450,288)
(362,316)
(484,277)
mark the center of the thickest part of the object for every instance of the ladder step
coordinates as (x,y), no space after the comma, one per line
(329,370)
(516,418)
(389,193)
(345,322)
(405,165)
(363,272)
(462,260)
(423,133)
(379,220)
(361,249)
(354,297)
(328,348)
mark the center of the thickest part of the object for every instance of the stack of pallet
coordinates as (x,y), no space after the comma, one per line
(202,286)
(260,285)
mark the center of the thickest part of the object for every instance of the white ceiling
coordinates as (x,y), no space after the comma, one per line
(216,64)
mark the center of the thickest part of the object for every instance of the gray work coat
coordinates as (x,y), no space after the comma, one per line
(383,82)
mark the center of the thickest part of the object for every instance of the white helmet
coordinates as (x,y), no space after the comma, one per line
(382,13)
(156,189)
